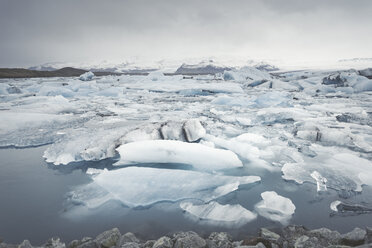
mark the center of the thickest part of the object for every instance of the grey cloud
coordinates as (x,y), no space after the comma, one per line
(40,31)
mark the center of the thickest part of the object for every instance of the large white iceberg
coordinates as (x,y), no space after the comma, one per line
(141,186)
(171,151)
(219,214)
(275,207)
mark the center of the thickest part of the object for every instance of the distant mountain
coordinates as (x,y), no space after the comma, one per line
(356,60)
(141,67)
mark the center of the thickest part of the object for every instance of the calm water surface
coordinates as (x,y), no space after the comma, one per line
(33,194)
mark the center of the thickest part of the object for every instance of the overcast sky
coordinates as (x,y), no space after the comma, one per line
(39,31)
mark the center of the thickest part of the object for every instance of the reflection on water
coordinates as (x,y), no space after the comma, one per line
(33,203)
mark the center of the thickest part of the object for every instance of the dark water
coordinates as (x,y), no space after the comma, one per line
(32,205)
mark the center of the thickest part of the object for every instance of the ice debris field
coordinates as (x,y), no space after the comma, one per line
(194,140)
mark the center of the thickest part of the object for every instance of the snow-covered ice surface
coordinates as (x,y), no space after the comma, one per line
(206,138)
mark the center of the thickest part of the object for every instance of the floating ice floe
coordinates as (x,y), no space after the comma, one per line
(275,207)
(339,207)
(86,76)
(170,151)
(142,186)
(22,129)
(344,171)
(83,148)
(217,214)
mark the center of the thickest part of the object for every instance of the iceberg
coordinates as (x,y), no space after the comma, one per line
(321,182)
(245,74)
(193,130)
(349,79)
(344,171)
(171,151)
(156,76)
(275,207)
(219,214)
(143,186)
(86,76)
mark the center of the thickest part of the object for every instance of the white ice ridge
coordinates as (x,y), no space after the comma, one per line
(141,186)
(220,214)
(321,182)
(171,151)
(275,207)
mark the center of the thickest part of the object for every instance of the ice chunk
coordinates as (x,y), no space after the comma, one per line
(246,146)
(246,74)
(349,79)
(81,145)
(321,182)
(344,171)
(275,207)
(171,151)
(366,72)
(349,209)
(220,214)
(22,129)
(193,130)
(156,76)
(172,131)
(334,205)
(146,132)
(86,76)
(330,136)
(141,186)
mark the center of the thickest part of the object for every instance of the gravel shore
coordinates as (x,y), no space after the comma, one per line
(290,236)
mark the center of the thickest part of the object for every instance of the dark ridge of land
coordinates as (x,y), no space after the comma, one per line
(74,72)
(63,72)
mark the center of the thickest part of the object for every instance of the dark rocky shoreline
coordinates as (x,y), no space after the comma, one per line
(290,236)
